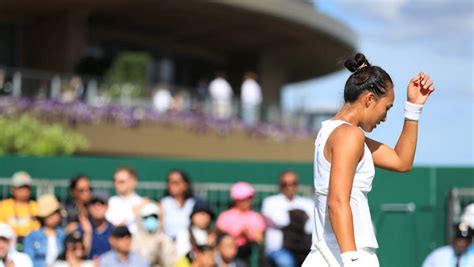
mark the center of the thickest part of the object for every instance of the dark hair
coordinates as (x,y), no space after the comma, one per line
(189,191)
(204,248)
(41,220)
(75,179)
(129,170)
(221,236)
(74,237)
(120,232)
(463,231)
(364,77)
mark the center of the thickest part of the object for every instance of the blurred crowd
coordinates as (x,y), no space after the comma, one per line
(221,96)
(93,228)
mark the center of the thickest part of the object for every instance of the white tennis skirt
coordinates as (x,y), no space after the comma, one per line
(321,256)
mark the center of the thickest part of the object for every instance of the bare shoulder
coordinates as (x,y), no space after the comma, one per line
(347,134)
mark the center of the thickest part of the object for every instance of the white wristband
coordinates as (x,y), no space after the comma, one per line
(351,258)
(413,111)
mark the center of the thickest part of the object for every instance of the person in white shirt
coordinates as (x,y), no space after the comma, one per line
(276,210)
(162,99)
(251,98)
(455,255)
(221,95)
(345,161)
(8,255)
(178,203)
(121,206)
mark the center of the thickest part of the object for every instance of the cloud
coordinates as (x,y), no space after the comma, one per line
(385,11)
(441,25)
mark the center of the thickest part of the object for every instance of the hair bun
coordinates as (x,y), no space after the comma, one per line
(353,64)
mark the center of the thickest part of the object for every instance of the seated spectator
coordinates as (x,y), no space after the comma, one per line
(199,232)
(227,252)
(46,244)
(121,254)
(9,256)
(177,204)
(96,229)
(203,257)
(74,254)
(121,206)
(456,254)
(241,222)
(289,223)
(80,190)
(20,211)
(150,242)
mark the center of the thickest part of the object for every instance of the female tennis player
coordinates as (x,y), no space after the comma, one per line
(345,160)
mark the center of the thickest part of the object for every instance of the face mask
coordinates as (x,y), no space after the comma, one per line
(151,224)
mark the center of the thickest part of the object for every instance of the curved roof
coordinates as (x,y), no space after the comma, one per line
(290,39)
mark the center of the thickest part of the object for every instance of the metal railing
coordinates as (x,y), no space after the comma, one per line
(217,194)
(68,87)
(459,198)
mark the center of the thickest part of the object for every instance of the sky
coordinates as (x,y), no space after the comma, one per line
(405,37)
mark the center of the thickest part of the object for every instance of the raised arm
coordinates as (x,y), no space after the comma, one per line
(345,148)
(401,157)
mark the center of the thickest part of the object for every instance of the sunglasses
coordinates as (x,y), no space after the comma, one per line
(84,190)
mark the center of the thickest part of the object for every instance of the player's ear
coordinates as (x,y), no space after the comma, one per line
(369,99)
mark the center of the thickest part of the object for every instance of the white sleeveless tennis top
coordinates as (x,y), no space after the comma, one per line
(362,184)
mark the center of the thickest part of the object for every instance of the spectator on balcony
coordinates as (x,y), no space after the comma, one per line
(150,241)
(20,211)
(241,222)
(221,95)
(202,90)
(162,99)
(121,254)
(199,232)
(74,91)
(121,206)
(80,191)
(74,254)
(289,224)
(96,229)
(251,98)
(8,254)
(226,252)
(178,203)
(46,244)
(456,254)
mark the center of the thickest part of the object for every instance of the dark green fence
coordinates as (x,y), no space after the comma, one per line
(409,210)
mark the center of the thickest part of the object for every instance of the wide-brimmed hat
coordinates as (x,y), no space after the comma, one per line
(21,178)
(47,205)
(241,190)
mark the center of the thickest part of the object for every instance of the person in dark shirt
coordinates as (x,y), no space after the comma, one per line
(96,230)
(80,191)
